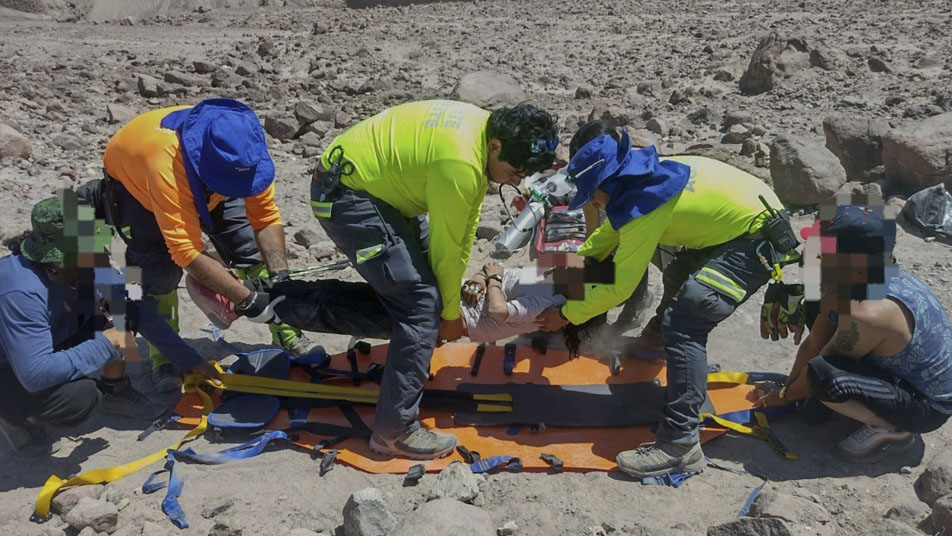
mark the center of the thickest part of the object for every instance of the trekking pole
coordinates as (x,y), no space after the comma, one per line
(321,268)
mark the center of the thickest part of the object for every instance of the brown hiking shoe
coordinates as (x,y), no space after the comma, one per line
(420,444)
(871,443)
(658,458)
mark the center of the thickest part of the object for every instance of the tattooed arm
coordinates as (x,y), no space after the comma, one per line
(271,244)
(857,334)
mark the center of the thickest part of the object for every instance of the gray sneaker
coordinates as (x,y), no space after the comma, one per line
(28,438)
(166,378)
(301,346)
(124,401)
(658,458)
(420,444)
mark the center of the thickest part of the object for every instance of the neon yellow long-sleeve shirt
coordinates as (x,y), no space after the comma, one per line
(426,157)
(718,204)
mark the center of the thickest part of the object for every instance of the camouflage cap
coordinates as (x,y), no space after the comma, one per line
(43,244)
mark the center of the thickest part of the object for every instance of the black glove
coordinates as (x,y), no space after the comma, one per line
(259,308)
(782,310)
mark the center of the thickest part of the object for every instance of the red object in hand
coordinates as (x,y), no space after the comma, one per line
(219,309)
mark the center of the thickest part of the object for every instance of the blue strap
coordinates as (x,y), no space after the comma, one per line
(170,504)
(750,499)
(673,480)
(488,464)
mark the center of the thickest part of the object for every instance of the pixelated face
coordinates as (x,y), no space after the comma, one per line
(834,273)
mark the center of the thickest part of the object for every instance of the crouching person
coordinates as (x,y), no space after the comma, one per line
(53,335)
(880,351)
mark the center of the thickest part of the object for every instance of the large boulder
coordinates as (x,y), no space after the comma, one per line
(936,480)
(775,58)
(65,501)
(919,156)
(13,144)
(488,89)
(803,171)
(857,142)
(446,516)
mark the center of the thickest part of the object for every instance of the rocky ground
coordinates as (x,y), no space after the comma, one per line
(850,97)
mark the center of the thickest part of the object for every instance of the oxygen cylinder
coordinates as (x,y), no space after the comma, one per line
(520,233)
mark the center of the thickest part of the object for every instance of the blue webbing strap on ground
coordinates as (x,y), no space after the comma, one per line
(170,504)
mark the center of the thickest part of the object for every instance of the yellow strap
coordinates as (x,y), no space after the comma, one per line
(739,378)
(101,476)
(760,431)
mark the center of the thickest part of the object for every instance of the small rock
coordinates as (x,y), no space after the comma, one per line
(224,527)
(322,250)
(225,79)
(751,526)
(185,79)
(489,89)
(929,239)
(444,517)
(878,65)
(204,67)
(217,508)
(119,113)
(651,88)
(88,531)
(148,86)
(308,112)
(122,504)
(307,237)
(936,480)
(13,144)
(724,76)
(455,482)
(366,514)
(508,529)
(68,142)
(736,118)
(657,126)
(871,190)
(942,515)
(584,92)
(678,97)
(65,501)
(102,516)
(749,147)
(281,127)
(704,116)
(736,134)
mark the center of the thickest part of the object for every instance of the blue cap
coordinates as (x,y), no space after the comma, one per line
(225,143)
(596,161)
(862,229)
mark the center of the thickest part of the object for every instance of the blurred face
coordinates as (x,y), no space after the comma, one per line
(599,199)
(499,171)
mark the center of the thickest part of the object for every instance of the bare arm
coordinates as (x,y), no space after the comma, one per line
(213,275)
(495,299)
(271,244)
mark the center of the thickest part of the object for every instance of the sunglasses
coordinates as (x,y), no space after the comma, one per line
(542,145)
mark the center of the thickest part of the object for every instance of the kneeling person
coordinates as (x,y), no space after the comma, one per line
(880,351)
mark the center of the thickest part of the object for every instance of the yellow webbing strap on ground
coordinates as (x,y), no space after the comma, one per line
(761,431)
(101,476)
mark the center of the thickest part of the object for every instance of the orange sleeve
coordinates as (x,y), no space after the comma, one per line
(261,209)
(174,208)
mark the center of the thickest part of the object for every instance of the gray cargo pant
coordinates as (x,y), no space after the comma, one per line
(716,281)
(390,253)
